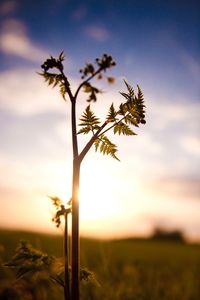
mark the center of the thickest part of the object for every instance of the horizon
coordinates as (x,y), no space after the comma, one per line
(106,238)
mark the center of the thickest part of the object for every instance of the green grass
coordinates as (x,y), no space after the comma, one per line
(124,270)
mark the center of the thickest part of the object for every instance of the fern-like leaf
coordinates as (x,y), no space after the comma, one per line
(63,90)
(121,127)
(133,107)
(84,130)
(112,113)
(54,80)
(89,122)
(129,88)
(105,146)
(130,120)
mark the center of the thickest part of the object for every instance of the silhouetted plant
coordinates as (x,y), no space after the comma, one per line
(120,120)
(130,113)
(28,261)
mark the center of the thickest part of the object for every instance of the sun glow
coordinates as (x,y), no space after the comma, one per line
(96,196)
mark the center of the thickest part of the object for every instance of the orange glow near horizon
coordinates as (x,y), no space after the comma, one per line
(112,203)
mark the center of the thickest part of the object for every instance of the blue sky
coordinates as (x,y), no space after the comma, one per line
(156,45)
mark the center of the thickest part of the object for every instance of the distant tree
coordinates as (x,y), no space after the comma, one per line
(120,120)
(170,235)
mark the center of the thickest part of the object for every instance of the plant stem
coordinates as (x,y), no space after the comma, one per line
(66,256)
(115,123)
(91,142)
(75,254)
(74,133)
(86,81)
(75,251)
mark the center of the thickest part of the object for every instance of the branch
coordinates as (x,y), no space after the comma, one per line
(57,281)
(113,125)
(74,129)
(86,81)
(67,86)
(91,141)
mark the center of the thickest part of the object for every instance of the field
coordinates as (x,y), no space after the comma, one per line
(124,269)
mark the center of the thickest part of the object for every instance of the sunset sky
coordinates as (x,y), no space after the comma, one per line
(156,44)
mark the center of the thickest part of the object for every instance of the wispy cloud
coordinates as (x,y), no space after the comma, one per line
(181,188)
(15,41)
(98,33)
(23,92)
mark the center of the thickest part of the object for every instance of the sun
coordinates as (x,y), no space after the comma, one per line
(96,196)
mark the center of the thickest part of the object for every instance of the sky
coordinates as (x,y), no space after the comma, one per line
(156,44)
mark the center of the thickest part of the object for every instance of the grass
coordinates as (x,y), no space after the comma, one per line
(124,269)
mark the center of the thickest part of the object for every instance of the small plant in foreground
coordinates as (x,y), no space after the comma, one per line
(119,120)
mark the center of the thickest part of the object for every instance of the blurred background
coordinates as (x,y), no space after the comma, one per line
(157,183)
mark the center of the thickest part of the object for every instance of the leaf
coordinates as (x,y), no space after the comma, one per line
(106,146)
(62,56)
(56,201)
(129,88)
(29,260)
(63,90)
(97,143)
(112,113)
(54,80)
(85,130)
(121,127)
(93,91)
(133,107)
(131,120)
(89,122)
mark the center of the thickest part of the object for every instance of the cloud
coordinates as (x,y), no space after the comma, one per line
(168,145)
(98,33)
(174,112)
(23,92)
(15,41)
(8,7)
(172,202)
(181,188)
